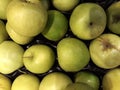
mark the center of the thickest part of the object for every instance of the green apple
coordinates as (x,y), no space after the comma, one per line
(113,14)
(111,80)
(26,82)
(39,58)
(88,21)
(27,17)
(3,33)
(65,5)
(105,51)
(56,27)
(5,82)
(88,78)
(16,37)
(55,81)
(3,7)
(11,57)
(73,54)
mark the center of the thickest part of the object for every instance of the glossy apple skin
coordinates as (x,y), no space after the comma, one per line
(88,21)
(11,55)
(55,81)
(111,80)
(26,82)
(5,82)
(39,58)
(27,18)
(105,51)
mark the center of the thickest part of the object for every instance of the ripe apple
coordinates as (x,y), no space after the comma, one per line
(111,80)
(26,82)
(56,27)
(88,21)
(65,5)
(3,7)
(38,58)
(11,55)
(105,51)
(88,78)
(55,81)
(3,33)
(27,17)
(73,54)
(5,82)
(16,37)
(113,14)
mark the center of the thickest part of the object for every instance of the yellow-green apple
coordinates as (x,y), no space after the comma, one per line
(105,51)
(88,21)
(3,7)
(26,82)
(55,81)
(113,14)
(39,58)
(88,78)
(16,37)
(11,57)
(73,54)
(65,5)
(27,17)
(5,82)
(3,33)
(111,80)
(56,26)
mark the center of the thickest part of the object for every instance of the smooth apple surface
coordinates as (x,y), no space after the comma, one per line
(105,51)
(26,82)
(55,81)
(88,21)
(11,55)
(27,17)
(39,58)
(5,82)
(111,80)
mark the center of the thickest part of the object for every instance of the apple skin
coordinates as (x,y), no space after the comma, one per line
(27,17)
(5,82)
(113,14)
(55,81)
(3,7)
(11,55)
(111,80)
(88,21)
(105,51)
(16,37)
(3,33)
(26,82)
(39,58)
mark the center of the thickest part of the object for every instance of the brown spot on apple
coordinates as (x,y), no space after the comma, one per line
(115,18)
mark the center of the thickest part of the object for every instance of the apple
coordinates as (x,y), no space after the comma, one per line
(38,58)
(111,80)
(27,17)
(3,33)
(105,51)
(3,7)
(46,4)
(56,27)
(26,82)
(11,55)
(88,21)
(5,82)
(65,5)
(88,78)
(113,14)
(16,37)
(55,81)
(73,54)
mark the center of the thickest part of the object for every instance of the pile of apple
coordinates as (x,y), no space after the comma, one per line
(59,45)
